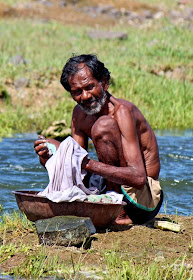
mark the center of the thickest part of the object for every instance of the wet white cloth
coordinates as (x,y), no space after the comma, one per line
(65,174)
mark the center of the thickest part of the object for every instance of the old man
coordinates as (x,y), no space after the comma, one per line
(126,146)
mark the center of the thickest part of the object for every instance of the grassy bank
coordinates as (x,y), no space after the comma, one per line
(142,68)
(22,256)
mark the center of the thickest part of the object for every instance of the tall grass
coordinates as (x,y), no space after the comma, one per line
(166,103)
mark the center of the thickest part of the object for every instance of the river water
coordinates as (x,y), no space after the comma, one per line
(20,169)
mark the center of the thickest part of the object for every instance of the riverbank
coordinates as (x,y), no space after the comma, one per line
(145,46)
(139,252)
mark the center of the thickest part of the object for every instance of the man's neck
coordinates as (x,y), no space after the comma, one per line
(107,108)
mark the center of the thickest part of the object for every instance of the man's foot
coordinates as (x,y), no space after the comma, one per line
(123,219)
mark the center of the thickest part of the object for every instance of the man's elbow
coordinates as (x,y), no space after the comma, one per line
(140,182)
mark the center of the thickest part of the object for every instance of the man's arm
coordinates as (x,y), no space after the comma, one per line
(78,135)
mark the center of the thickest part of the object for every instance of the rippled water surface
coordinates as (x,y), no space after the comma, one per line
(20,169)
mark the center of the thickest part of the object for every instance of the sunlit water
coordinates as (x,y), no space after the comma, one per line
(20,169)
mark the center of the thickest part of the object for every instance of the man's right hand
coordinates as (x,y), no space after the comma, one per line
(41,149)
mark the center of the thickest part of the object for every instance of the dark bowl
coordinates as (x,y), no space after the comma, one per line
(36,208)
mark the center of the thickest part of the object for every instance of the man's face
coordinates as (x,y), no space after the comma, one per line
(87,91)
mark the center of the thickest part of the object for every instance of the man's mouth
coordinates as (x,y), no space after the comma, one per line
(89,104)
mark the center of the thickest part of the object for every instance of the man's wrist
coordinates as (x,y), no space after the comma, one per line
(85,162)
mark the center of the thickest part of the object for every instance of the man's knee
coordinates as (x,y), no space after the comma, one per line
(105,126)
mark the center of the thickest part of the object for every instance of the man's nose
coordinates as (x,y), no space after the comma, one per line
(85,95)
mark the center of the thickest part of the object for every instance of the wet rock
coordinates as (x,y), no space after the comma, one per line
(97,34)
(58,130)
(22,82)
(65,230)
(17,59)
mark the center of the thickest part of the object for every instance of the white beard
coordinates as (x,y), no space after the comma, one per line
(99,105)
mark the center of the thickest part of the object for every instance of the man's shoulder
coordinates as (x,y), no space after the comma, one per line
(125,102)
(78,113)
(127,105)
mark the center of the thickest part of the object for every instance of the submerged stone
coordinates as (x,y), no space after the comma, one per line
(65,230)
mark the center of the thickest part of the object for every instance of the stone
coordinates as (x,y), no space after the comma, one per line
(184,2)
(46,3)
(153,42)
(97,34)
(104,9)
(57,130)
(179,73)
(175,14)
(158,15)
(17,59)
(147,14)
(22,82)
(65,231)
(62,3)
(188,14)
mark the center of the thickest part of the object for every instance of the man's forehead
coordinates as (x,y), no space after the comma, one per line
(83,73)
(83,68)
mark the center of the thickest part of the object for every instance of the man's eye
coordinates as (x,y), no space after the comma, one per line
(76,92)
(89,87)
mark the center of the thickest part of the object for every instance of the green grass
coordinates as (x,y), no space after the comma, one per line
(166,103)
(14,222)
(13,2)
(37,261)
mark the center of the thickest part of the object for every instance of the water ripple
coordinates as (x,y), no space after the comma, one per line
(20,169)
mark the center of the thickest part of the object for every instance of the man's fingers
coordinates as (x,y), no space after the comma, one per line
(39,142)
(41,137)
(41,147)
(43,153)
(114,101)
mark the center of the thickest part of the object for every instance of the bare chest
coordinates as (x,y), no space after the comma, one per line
(87,125)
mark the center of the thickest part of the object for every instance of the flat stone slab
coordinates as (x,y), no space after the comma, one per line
(97,34)
(64,230)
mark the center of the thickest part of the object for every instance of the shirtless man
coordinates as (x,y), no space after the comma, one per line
(128,156)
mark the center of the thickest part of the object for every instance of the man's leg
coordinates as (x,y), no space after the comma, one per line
(106,138)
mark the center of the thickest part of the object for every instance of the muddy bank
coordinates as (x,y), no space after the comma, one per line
(143,244)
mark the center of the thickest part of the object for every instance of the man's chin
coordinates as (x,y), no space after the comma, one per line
(96,108)
(91,111)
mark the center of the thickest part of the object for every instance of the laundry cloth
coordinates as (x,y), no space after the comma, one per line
(66,176)
(65,173)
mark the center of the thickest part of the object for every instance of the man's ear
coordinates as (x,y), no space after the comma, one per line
(105,84)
